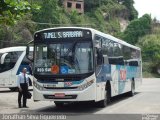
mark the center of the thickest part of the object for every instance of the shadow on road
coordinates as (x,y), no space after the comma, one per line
(120,98)
(72,108)
(8,90)
(81,107)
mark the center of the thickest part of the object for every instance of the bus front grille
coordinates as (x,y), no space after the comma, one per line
(65,97)
(60,88)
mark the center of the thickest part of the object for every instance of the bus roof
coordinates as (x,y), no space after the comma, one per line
(12,49)
(97,32)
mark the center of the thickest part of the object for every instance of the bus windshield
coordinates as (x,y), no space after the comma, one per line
(64,58)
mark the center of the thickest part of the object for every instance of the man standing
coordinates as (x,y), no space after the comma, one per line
(23,82)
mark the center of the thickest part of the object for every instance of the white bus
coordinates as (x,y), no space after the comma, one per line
(12,60)
(82,64)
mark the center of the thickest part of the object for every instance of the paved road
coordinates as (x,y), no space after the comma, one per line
(145,102)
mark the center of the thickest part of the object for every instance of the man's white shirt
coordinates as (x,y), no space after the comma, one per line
(21,79)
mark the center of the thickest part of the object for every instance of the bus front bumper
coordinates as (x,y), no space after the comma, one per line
(88,94)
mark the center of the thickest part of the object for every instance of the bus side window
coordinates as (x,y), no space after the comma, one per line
(126,54)
(107,47)
(134,58)
(10,60)
(133,63)
(131,56)
(105,50)
(98,41)
(118,54)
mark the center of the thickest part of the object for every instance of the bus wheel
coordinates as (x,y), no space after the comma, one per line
(107,99)
(132,92)
(13,89)
(59,104)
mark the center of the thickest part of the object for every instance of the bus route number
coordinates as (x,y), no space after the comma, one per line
(43,70)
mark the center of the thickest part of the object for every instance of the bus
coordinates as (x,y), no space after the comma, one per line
(12,61)
(73,64)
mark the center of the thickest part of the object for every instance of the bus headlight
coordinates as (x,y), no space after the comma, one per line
(37,86)
(86,85)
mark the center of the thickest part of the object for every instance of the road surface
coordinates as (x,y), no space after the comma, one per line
(145,105)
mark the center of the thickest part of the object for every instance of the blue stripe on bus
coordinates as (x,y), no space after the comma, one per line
(105,74)
(77,82)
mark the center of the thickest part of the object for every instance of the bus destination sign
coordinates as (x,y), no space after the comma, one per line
(66,34)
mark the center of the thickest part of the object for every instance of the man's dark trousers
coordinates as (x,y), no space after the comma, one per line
(23,93)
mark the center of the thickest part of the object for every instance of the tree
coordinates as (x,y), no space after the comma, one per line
(49,12)
(10,12)
(150,45)
(133,14)
(93,4)
(137,28)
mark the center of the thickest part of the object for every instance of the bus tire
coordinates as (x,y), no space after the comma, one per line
(59,104)
(13,89)
(132,92)
(107,100)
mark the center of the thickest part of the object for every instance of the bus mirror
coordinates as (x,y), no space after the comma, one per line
(29,51)
(3,58)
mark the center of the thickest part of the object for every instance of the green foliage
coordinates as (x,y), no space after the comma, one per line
(147,70)
(150,45)
(19,19)
(18,24)
(133,14)
(13,10)
(102,15)
(18,34)
(50,14)
(137,28)
(90,4)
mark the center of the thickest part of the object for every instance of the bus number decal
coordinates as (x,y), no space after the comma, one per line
(43,69)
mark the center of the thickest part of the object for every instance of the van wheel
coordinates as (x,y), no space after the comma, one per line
(13,89)
(132,92)
(59,104)
(107,99)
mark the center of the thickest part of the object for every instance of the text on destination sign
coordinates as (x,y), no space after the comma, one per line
(68,34)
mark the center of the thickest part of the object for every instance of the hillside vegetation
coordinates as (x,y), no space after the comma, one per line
(19,19)
(103,15)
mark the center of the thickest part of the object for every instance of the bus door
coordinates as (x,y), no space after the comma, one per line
(99,74)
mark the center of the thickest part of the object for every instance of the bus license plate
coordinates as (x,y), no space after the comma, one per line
(59,95)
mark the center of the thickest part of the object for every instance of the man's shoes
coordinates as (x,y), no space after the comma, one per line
(25,107)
